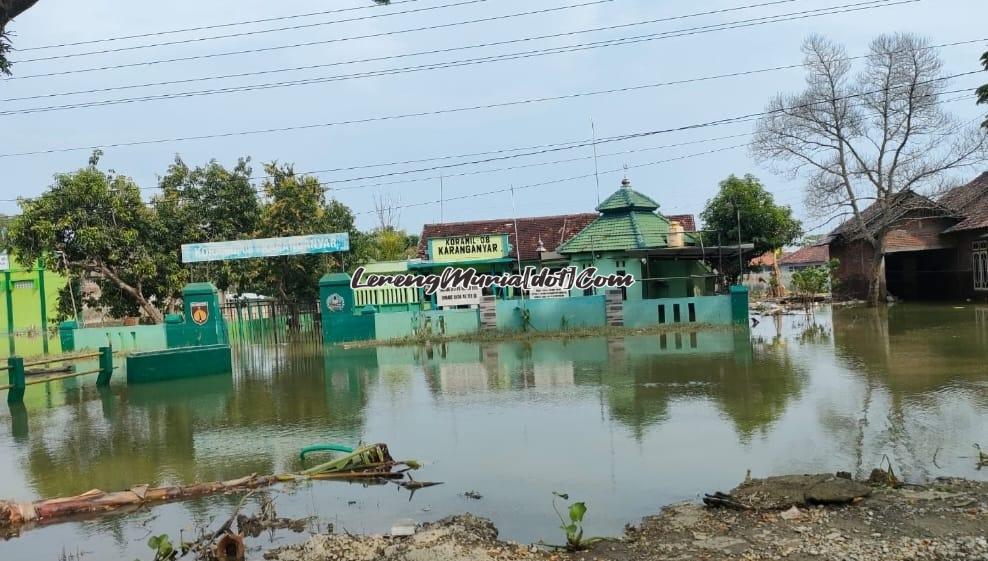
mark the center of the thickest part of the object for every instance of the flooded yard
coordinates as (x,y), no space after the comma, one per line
(626,424)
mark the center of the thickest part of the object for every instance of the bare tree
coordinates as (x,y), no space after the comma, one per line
(865,138)
(387,207)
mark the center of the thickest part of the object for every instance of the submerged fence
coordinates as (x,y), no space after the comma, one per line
(264,321)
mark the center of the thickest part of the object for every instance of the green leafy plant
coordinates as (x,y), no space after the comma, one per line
(815,280)
(162,547)
(573,529)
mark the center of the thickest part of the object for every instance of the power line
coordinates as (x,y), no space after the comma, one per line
(253,32)
(364,120)
(208,27)
(446,65)
(649,133)
(563,180)
(376,59)
(341,39)
(335,182)
(334,188)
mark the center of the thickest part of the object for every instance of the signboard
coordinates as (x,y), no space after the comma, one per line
(468,248)
(265,247)
(4,262)
(542,293)
(458,296)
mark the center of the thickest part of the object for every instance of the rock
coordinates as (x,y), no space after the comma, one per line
(792,514)
(725,544)
(786,491)
(836,491)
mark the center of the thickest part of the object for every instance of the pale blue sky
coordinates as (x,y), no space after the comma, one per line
(680,186)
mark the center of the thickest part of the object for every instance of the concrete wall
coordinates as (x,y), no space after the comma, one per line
(551,314)
(26,296)
(706,309)
(137,337)
(394,325)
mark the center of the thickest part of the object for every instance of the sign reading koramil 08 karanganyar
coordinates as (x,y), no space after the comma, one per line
(265,247)
(468,248)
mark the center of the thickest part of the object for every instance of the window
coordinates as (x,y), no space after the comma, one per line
(979,256)
(23,285)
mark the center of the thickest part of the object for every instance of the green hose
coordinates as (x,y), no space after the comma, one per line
(325,448)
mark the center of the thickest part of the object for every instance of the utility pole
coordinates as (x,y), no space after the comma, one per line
(596,170)
(737,207)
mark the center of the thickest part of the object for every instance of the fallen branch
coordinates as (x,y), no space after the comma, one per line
(366,463)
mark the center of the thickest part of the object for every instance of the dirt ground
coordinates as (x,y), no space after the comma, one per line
(800,518)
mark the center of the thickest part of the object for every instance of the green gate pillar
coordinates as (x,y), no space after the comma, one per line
(8,290)
(204,324)
(336,308)
(739,305)
(44,308)
(17,380)
(66,335)
(105,366)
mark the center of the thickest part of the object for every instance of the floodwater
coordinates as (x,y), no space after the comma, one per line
(626,425)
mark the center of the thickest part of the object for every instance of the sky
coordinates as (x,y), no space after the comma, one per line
(681,177)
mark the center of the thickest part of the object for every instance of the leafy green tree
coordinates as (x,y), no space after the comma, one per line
(765,224)
(296,205)
(389,244)
(93,225)
(208,204)
(744,201)
(983,90)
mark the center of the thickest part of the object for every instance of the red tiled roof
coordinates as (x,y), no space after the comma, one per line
(971,202)
(806,255)
(685,220)
(552,230)
(766,259)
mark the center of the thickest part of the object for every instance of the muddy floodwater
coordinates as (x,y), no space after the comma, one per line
(625,424)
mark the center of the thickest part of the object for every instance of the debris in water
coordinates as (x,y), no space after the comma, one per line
(403,527)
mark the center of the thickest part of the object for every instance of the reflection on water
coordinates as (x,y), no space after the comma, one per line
(626,424)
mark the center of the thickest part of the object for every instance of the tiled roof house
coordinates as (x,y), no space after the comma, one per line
(936,249)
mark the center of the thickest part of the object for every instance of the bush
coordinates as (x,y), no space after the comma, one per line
(815,280)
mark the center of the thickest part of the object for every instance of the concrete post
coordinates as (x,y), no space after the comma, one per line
(339,322)
(16,379)
(739,305)
(66,335)
(105,366)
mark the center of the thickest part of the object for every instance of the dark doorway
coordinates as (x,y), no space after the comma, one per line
(922,275)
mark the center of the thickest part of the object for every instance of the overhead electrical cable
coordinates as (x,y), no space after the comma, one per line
(208,27)
(434,66)
(743,118)
(432,27)
(386,57)
(364,120)
(457,4)
(322,42)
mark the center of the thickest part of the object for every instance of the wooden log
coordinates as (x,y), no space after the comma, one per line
(368,462)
